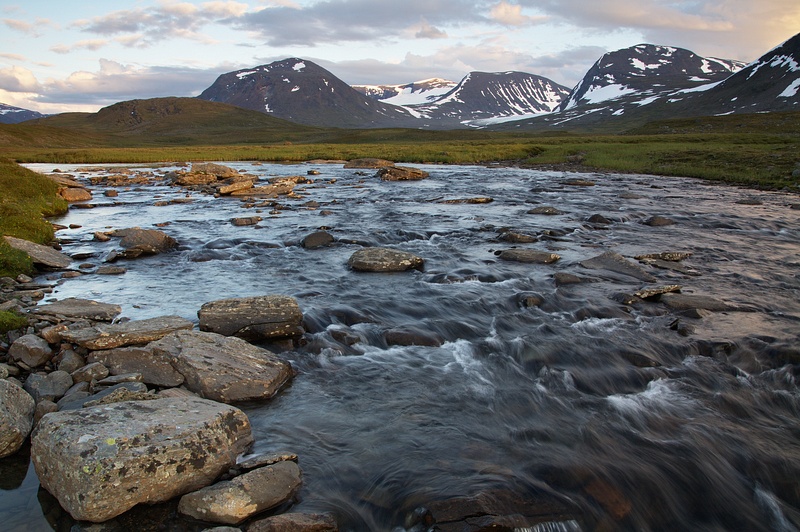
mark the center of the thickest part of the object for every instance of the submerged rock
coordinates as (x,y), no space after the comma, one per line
(295,522)
(223,368)
(691,301)
(384,260)
(317,239)
(99,462)
(233,501)
(529,255)
(615,262)
(137,241)
(138,332)
(16,417)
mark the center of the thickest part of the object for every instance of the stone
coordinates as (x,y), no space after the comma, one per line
(73,194)
(234,186)
(252,318)
(137,332)
(384,260)
(39,254)
(218,170)
(70,361)
(547,211)
(249,220)
(368,163)
(222,368)
(52,386)
(192,179)
(691,301)
(671,256)
(43,407)
(76,400)
(155,370)
(401,173)
(119,395)
(412,336)
(145,241)
(113,380)
(517,238)
(99,462)
(101,237)
(615,262)
(564,279)
(480,200)
(658,221)
(599,219)
(31,350)
(233,501)
(646,293)
(528,255)
(93,371)
(16,417)
(295,522)
(111,270)
(73,308)
(52,334)
(317,239)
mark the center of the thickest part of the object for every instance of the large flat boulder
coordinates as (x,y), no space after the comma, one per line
(99,462)
(384,260)
(39,254)
(73,308)
(155,369)
(252,318)
(137,332)
(16,417)
(222,368)
(232,501)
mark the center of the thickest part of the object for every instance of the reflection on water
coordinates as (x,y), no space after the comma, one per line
(601,409)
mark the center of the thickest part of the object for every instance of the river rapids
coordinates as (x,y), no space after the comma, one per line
(564,402)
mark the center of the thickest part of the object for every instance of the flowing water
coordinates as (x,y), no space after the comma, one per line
(590,413)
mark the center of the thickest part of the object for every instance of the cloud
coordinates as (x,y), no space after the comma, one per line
(88,44)
(12,57)
(18,79)
(511,15)
(426,31)
(21,26)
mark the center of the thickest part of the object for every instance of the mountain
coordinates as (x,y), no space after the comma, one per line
(418,92)
(14,115)
(303,92)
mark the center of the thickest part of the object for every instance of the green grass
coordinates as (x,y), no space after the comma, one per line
(25,198)
(10,321)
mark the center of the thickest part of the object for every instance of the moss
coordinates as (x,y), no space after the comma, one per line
(10,321)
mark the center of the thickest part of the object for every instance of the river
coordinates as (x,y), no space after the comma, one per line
(593,411)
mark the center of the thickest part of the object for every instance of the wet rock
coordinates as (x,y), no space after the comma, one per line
(72,308)
(111,270)
(691,301)
(119,395)
(401,173)
(50,386)
(73,194)
(93,371)
(69,361)
(384,260)
(545,210)
(317,239)
(564,279)
(528,255)
(295,522)
(412,336)
(39,254)
(233,501)
(658,221)
(368,163)
(218,170)
(155,369)
(137,241)
(101,237)
(615,262)
(245,221)
(222,368)
(480,200)
(31,350)
(517,238)
(646,293)
(99,462)
(76,400)
(43,407)
(599,219)
(234,186)
(530,299)
(579,182)
(138,332)
(252,318)
(16,417)
(672,256)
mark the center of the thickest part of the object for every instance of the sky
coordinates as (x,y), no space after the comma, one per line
(68,55)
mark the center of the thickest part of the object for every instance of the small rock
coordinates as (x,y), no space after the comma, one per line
(384,260)
(295,522)
(547,211)
(563,279)
(690,301)
(658,221)
(646,293)
(250,220)
(615,262)
(599,219)
(70,361)
(73,194)
(30,349)
(43,407)
(253,318)
(671,256)
(51,386)
(529,256)
(111,270)
(317,239)
(401,173)
(412,336)
(119,395)
(154,369)
(91,372)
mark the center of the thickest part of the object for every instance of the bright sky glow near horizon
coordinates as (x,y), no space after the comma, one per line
(63,55)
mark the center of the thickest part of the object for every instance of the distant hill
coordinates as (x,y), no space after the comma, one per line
(14,115)
(414,93)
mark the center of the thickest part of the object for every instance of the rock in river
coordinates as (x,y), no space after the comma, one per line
(384,260)
(222,368)
(528,255)
(401,173)
(39,254)
(138,332)
(80,308)
(16,417)
(99,462)
(615,262)
(252,318)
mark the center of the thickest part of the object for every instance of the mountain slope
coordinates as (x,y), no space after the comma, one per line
(14,115)
(417,92)
(305,93)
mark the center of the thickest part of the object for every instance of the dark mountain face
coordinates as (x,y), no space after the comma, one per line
(14,115)
(483,96)
(305,93)
(646,71)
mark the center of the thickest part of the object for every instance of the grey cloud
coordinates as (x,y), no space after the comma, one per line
(430,32)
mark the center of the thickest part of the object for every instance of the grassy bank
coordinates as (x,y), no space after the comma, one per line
(25,198)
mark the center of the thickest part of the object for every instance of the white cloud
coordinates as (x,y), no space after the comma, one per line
(18,79)
(511,15)
(87,44)
(426,31)
(20,26)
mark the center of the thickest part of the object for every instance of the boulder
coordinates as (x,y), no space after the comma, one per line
(223,368)
(234,185)
(401,173)
(384,260)
(137,241)
(39,254)
(615,262)
(154,369)
(94,371)
(99,462)
(218,170)
(192,179)
(78,399)
(247,220)
(252,318)
(412,336)
(317,239)
(72,308)
(658,221)
(73,194)
(646,293)
(16,417)
(295,522)
(52,386)
(232,501)
(692,301)
(138,332)
(528,255)
(547,211)
(31,350)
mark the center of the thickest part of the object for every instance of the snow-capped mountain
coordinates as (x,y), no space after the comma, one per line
(303,92)
(14,115)
(417,92)
(644,73)
(487,97)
